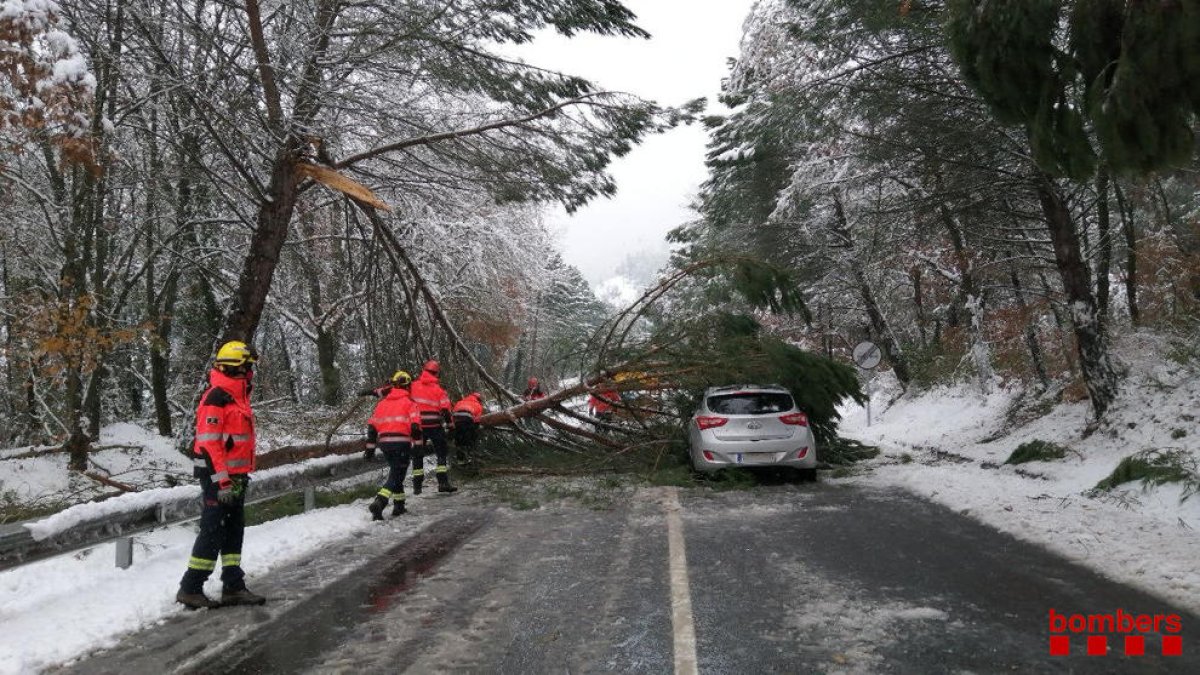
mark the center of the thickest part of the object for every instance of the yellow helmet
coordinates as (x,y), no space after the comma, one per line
(401,379)
(235,353)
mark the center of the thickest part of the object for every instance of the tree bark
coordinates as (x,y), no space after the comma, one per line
(1131,261)
(1031,339)
(1104,260)
(971,300)
(883,332)
(918,300)
(270,232)
(1094,359)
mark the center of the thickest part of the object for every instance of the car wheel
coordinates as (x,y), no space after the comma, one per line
(808,475)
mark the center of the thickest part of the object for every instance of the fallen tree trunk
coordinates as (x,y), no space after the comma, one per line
(291,454)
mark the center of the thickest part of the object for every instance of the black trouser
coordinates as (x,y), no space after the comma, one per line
(397,458)
(222,528)
(435,436)
(465,432)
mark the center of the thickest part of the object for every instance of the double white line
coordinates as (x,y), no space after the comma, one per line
(681,597)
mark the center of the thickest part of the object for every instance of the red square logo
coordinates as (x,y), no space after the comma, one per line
(1135,645)
(1172,645)
(1097,645)
(1060,645)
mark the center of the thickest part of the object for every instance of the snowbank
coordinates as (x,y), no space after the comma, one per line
(949,445)
(99,602)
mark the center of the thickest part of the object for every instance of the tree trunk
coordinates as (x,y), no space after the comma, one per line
(1031,340)
(327,337)
(286,358)
(971,300)
(883,332)
(1094,360)
(1104,260)
(1131,266)
(11,388)
(331,379)
(918,300)
(160,353)
(274,218)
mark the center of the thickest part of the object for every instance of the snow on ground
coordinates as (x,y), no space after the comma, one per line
(125,452)
(132,455)
(1144,537)
(100,602)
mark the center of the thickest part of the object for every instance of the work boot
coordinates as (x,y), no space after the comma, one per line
(398,508)
(376,507)
(230,598)
(417,480)
(444,483)
(195,600)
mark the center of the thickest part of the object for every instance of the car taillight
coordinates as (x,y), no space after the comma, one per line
(706,422)
(801,453)
(709,456)
(798,419)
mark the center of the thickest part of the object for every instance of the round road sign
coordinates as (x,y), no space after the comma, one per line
(867,355)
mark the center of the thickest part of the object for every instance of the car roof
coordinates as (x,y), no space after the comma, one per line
(734,388)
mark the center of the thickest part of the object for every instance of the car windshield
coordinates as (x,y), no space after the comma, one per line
(750,403)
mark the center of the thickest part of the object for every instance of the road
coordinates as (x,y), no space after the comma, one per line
(780,579)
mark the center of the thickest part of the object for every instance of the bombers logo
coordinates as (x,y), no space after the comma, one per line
(1134,628)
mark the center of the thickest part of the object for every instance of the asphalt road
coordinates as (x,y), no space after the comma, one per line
(795,579)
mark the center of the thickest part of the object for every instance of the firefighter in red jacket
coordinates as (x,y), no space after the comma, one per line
(433,404)
(466,418)
(223,457)
(533,390)
(393,427)
(600,405)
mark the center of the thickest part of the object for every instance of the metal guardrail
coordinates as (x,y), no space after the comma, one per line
(18,547)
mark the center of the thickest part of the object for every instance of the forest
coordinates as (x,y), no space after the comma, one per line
(996,192)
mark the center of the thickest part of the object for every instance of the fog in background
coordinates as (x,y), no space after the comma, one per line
(686,58)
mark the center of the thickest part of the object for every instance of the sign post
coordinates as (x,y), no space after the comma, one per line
(867,356)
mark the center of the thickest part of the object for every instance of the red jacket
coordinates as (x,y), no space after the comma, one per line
(395,419)
(431,400)
(469,405)
(602,402)
(225,428)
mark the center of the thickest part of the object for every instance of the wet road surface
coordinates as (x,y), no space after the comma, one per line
(783,579)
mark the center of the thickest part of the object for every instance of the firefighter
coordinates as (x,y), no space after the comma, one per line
(393,426)
(466,420)
(600,405)
(223,457)
(533,390)
(433,404)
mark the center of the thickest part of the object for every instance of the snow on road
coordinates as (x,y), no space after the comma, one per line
(1144,537)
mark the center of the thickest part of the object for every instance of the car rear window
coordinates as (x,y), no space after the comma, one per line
(750,403)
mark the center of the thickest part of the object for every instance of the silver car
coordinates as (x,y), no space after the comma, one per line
(751,426)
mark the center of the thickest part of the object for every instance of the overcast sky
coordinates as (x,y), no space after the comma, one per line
(685,59)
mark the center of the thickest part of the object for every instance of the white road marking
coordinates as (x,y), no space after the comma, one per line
(681,596)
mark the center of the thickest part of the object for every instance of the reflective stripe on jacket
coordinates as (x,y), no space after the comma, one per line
(394,418)
(469,405)
(225,427)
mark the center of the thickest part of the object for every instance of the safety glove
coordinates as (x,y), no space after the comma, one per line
(226,494)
